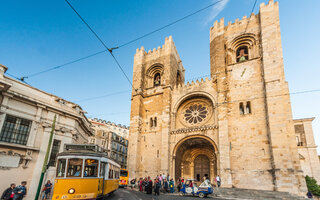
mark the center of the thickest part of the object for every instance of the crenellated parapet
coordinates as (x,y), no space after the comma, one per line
(220,28)
(193,84)
(166,49)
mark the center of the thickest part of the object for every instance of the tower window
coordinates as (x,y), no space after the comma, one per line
(241,108)
(157,79)
(248,107)
(242,54)
(153,122)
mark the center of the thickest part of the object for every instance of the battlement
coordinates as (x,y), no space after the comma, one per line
(193,84)
(219,27)
(168,48)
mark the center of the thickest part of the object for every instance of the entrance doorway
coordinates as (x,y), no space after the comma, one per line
(195,158)
(201,167)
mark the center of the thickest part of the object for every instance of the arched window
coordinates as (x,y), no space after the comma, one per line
(248,107)
(242,54)
(155,122)
(241,108)
(157,79)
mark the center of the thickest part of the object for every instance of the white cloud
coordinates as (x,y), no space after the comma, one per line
(215,10)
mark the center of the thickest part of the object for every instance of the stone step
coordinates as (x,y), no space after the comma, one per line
(236,193)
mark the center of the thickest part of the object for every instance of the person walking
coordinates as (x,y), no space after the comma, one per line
(20,191)
(163,177)
(133,183)
(46,190)
(8,193)
(171,185)
(218,180)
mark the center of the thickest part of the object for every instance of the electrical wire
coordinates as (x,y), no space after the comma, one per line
(102,96)
(254,5)
(96,35)
(62,65)
(170,24)
(121,45)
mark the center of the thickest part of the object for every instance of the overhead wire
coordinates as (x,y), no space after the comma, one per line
(107,48)
(102,96)
(123,44)
(254,5)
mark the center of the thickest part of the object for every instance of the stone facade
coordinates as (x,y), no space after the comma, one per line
(26,117)
(307,148)
(111,137)
(237,124)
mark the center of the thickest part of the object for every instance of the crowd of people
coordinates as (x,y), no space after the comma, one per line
(18,193)
(163,183)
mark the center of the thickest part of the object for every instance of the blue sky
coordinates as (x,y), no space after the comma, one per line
(36,35)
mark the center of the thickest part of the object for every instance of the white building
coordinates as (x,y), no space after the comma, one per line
(26,117)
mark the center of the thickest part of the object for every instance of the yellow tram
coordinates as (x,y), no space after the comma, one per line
(85,172)
(124,178)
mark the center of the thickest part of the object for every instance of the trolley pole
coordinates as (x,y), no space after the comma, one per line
(44,167)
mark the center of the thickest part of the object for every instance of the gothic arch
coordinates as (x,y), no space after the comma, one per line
(190,96)
(153,70)
(176,147)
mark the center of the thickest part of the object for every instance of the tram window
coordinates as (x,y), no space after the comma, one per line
(102,169)
(123,173)
(91,168)
(61,167)
(111,172)
(74,167)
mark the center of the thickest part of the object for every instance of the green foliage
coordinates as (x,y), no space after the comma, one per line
(312,185)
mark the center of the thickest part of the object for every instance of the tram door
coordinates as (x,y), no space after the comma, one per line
(201,167)
(103,176)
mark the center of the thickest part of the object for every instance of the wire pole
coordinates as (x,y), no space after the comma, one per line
(45,162)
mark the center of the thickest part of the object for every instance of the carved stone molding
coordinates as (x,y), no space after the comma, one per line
(14,160)
(194,129)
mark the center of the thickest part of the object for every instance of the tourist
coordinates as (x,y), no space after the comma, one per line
(168,177)
(218,180)
(149,185)
(47,189)
(165,186)
(157,186)
(171,185)
(8,193)
(141,185)
(179,184)
(160,180)
(20,191)
(163,177)
(309,195)
(145,183)
(133,183)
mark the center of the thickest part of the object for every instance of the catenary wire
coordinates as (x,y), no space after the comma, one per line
(121,45)
(62,65)
(167,25)
(96,35)
(102,96)
(254,5)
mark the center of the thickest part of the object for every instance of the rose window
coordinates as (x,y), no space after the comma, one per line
(195,113)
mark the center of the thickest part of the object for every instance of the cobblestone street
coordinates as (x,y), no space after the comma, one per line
(127,194)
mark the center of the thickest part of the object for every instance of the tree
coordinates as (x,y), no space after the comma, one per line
(312,185)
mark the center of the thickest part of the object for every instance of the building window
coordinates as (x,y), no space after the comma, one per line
(242,54)
(15,130)
(248,107)
(153,122)
(241,108)
(54,152)
(157,79)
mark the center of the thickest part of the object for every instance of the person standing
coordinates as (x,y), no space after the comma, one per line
(165,186)
(141,185)
(133,183)
(8,193)
(47,190)
(171,185)
(20,191)
(163,177)
(179,184)
(160,180)
(157,186)
(149,185)
(218,180)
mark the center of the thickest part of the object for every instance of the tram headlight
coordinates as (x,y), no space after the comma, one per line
(71,191)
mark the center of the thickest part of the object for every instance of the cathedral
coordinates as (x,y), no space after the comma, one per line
(236,124)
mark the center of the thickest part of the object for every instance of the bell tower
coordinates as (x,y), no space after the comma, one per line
(257,139)
(155,73)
